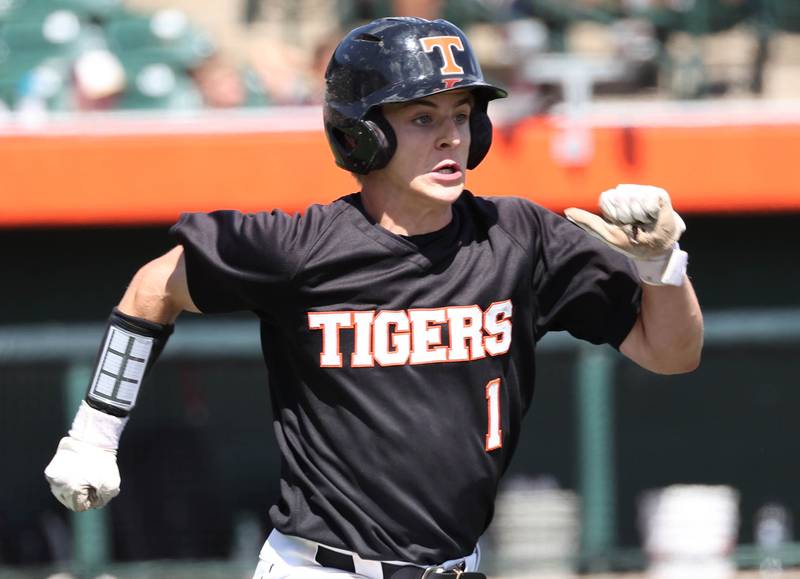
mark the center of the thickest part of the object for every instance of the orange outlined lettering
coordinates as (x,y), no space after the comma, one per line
(362,350)
(494,434)
(414,336)
(426,336)
(391,348)
(497,323)
(466,324)
(330,323)
(450,82)
(446,46)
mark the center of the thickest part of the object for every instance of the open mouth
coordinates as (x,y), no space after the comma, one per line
(447,168)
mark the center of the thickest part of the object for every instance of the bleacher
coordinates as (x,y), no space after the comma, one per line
(64,54)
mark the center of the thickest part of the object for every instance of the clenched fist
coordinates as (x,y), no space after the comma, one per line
(638,220)
(83,474)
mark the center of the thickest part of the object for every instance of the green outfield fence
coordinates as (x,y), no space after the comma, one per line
(73,347)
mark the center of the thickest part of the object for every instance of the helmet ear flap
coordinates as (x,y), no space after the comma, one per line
(480,127)
(382,139)
(363,145)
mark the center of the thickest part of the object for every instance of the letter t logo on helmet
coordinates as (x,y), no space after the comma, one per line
(445,44)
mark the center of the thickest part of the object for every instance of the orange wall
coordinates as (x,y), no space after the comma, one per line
(139,177)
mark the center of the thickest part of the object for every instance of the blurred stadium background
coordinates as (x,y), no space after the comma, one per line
(117,115)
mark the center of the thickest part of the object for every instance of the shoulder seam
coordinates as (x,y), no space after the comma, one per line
(317,241)
(512,237)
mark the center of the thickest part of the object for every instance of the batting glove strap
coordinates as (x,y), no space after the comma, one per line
(667,270)
(98,428)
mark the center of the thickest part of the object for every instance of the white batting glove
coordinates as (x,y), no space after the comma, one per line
(83,474)
(638,221)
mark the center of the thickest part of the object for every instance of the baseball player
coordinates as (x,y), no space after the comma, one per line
(399,324)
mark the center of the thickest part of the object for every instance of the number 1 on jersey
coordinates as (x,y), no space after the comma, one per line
(494,435)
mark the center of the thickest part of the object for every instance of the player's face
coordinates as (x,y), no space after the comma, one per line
(433,139)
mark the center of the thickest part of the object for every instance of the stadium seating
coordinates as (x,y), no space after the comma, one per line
(154,84)
(36,55)
(699,17)
(16,10)
(166,35)
(783,14)
(41,40)
(52,34)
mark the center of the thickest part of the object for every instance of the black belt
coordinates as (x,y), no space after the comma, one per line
(330,558)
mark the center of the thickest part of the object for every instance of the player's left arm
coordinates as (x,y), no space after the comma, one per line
(668,335)
(639,221)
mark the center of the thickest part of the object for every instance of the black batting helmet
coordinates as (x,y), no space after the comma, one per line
(394,60)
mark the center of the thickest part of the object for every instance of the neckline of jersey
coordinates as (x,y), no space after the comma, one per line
(418,248)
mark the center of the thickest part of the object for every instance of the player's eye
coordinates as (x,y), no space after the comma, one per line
(422,120)
(462,118)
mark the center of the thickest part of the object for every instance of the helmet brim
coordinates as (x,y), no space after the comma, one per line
(407,92)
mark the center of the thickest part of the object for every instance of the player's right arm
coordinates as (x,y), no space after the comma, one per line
(83,473)
(159,291)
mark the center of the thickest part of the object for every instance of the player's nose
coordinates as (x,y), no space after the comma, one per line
(449,135)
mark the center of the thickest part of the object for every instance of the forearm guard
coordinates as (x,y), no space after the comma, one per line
(130,347)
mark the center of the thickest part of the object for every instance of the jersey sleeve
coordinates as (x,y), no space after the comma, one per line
(237,261)
(581,285)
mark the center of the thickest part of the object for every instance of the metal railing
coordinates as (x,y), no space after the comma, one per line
(76,345)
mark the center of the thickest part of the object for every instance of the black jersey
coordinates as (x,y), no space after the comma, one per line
(400,368)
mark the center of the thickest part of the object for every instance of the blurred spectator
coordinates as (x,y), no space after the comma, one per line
(283,40)
(429,10)
(220,83)
(77,55)
(99,80)
(284,71)
(60,55)
(319,61)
